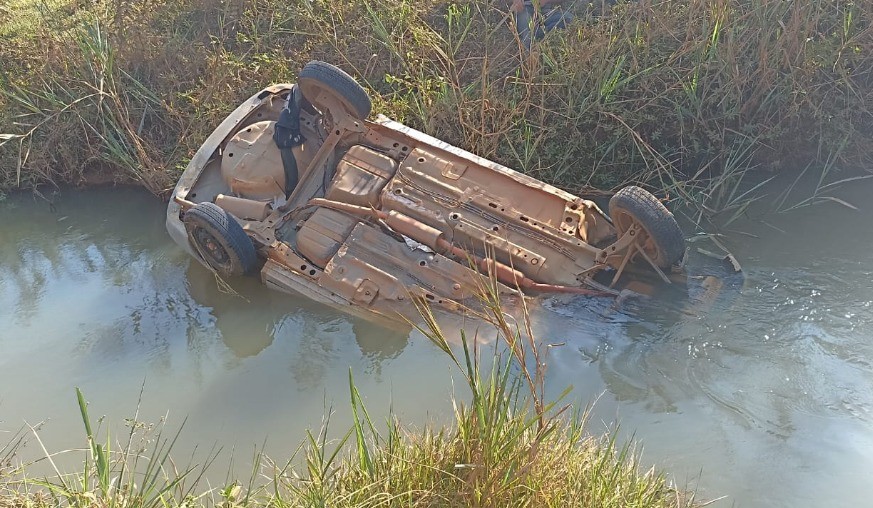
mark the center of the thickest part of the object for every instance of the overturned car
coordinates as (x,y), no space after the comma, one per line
(298,186)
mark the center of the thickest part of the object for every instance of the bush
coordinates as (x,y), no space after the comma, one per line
(686,96)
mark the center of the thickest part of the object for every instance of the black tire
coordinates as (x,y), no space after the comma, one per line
(318,77)
(634,204)
(220,240)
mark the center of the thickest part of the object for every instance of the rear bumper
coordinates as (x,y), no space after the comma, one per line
(192,172)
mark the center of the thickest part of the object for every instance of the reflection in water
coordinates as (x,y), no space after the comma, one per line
(768,390)
(99,297)
(248,318)
(377,342)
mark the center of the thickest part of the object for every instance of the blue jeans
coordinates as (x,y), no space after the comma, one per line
(533,24)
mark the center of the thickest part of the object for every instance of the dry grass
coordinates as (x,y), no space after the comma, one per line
(507,446)
(695,98)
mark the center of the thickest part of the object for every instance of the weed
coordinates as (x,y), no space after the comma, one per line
(670,94)
(507,446)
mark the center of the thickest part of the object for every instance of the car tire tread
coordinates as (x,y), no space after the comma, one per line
(350,93)
(654,217)
(224,228)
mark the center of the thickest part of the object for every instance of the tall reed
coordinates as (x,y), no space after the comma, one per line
(507,445)
(700,100)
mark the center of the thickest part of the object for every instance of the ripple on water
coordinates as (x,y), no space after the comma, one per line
(809,362)
(768,389)
(786,345)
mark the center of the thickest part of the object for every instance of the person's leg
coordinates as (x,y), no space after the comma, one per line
(558,17)
(524,24)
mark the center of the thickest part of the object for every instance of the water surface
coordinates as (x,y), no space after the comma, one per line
(764,396)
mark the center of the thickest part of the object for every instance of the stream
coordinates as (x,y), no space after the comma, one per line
(763,396)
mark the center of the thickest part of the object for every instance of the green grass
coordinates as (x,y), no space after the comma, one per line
(507,446)
(699,100)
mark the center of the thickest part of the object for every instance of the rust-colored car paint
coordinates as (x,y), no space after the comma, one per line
(383,214)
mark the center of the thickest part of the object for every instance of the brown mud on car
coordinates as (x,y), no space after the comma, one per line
(296,185)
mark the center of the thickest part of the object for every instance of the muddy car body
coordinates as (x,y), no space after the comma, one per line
(298,186)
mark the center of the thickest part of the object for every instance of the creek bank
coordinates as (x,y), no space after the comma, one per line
(688,99)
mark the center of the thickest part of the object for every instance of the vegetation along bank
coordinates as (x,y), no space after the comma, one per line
(687,96)
(692,97)
(508,445)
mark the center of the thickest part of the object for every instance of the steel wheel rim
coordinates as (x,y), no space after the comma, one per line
(211,248)
(624,221)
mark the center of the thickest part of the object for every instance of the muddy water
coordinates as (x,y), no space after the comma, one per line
(763,396)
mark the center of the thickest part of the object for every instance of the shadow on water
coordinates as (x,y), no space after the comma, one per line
(248,317)
(766,388)
(98,269)
(99,297)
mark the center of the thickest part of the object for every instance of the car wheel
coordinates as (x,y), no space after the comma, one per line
(664,243)
(220,240)
(321,78)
